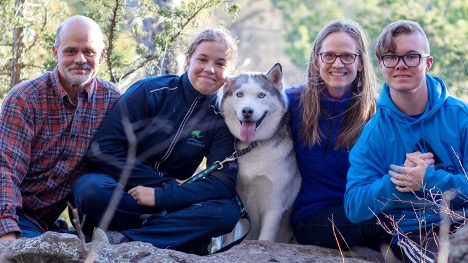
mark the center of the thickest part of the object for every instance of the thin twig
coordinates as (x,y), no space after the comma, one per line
(125,175)
(79,229)
(462,60)
(336,239)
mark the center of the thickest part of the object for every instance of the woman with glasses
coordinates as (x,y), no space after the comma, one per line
(328,113)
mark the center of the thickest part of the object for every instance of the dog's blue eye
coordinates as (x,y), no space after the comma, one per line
(261,95)
(240,94)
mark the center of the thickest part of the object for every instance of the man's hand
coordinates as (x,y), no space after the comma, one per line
(427,157)
(143,195)
(8,236)
(409,179)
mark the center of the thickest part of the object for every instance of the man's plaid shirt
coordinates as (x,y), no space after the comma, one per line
(43,141)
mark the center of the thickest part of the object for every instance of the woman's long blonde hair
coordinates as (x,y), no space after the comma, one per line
(362,105)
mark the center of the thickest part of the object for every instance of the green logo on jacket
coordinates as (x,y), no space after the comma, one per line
(196,139)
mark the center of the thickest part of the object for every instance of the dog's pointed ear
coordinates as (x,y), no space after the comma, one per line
(275,76)
(227,84)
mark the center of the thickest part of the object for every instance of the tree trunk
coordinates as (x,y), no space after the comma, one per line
(18,47)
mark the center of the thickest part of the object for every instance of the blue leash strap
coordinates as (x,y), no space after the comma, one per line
(215,166)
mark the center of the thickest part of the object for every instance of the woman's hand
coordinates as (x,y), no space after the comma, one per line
(143,195)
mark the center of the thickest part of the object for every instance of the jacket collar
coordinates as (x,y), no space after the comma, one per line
(188,93)
(329,103)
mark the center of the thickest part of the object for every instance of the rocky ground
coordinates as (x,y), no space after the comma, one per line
(53,247)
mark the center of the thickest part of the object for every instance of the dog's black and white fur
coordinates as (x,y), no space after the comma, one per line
(255,108)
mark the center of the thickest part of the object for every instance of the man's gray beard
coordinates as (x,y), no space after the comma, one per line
(78,80)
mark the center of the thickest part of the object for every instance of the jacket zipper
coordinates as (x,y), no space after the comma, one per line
(330,126)
(176,137)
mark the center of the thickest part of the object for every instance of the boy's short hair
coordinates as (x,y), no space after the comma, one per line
(385,42)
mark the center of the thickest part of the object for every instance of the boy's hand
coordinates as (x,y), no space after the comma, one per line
(427,157)
(409,179)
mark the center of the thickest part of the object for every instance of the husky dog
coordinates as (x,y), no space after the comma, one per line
(255,109)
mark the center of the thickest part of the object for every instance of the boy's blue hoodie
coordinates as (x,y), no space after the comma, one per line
(442,129)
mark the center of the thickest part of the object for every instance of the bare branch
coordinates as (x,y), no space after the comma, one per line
(110,48)
(79,228)
(176,34)
(462,60)
(43,26)
(131,159)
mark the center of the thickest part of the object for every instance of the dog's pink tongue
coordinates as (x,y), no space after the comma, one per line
(247,131)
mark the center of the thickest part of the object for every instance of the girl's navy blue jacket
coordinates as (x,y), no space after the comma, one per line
(169,127)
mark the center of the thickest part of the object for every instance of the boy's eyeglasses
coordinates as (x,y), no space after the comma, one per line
(410,60)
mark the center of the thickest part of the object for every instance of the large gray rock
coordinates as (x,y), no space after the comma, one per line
(53,247)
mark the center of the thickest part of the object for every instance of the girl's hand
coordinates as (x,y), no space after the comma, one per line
(143,195)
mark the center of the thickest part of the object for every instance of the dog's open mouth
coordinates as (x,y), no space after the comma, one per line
(248,128)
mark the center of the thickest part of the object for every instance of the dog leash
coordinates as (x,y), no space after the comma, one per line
(216,244)
(218,165)
(215,247)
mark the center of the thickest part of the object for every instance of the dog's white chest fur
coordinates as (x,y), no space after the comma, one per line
(268,183)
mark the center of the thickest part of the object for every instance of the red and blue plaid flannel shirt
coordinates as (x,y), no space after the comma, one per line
(43,141)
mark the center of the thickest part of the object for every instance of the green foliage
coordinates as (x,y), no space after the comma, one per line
(144,38)
(445,24)
(36,19)
(140,36)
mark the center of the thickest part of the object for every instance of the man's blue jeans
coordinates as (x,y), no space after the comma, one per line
(31,230)
(28,228)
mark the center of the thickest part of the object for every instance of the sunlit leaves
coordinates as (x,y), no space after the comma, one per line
(445,24)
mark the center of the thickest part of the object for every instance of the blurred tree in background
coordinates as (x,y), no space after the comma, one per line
(142,37)
(28,30)
(148,34)
(148,37)
(445,23)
